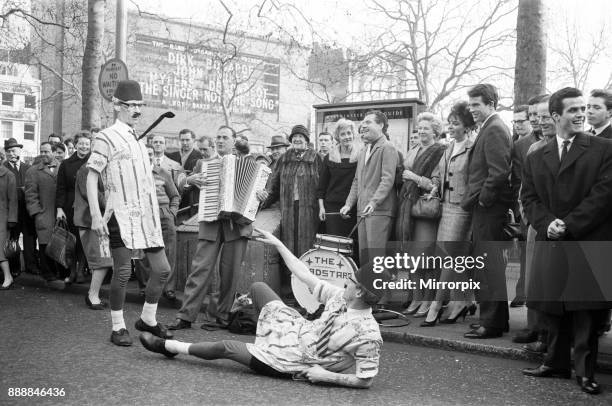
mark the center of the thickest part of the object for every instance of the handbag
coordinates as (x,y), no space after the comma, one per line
(62,245)
(11,248)
(427,206)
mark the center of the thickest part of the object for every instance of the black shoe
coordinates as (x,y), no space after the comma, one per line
(547,372)
(483,332)
(433,323)
(97,306)
(538,347)
(158,330)
(588,385)
(453,320)
(179,324)
(517,302)
(170,295)
(9,287)
(121,338)
(525,336)
(155,344)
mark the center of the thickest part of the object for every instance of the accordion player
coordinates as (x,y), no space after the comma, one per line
(230,190)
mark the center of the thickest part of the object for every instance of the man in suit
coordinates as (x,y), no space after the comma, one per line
(528,136)
(160,160)
(567,187)
(221,238)
(25,224)
(488,196)
(372,189)
(188,156)
(599,113)
(40,187)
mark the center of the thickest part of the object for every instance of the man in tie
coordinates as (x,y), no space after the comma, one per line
(131,217)
(40,187)
(567,187)
(25,224)
(488,197)
(599,113)
(326,350)
(169,165)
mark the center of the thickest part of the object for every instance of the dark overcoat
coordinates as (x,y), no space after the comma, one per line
(578,191)
(40,198)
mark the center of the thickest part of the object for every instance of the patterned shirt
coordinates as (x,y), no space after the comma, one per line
(129,188)
(286,341)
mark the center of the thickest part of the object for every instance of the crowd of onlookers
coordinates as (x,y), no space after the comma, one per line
(547,175)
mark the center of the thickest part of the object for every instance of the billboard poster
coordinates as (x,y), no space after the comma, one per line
(187,77)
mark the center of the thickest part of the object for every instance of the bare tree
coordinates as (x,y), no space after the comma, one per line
(439,49)
(530,67)
(578,51)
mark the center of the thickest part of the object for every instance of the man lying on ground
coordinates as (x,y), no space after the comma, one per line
(289,346)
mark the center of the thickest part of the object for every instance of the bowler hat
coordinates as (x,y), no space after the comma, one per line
(372,281)
(278,141)
(128,91)
(300,129)
(11,143)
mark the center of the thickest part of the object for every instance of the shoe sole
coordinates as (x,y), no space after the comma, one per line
(146,345)
(121,344)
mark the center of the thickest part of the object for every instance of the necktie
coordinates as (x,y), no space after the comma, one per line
(564,150)
(326,332)
(592,131)
(158,161)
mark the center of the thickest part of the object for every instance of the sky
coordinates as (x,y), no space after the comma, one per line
(347,21)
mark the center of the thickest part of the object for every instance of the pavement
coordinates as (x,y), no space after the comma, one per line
(442,336)
(51,340)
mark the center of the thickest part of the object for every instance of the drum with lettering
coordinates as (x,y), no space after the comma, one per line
(342,245)
(325,263)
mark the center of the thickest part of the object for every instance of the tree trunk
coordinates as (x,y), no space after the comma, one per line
(92,61)
(58,100)
(530,68)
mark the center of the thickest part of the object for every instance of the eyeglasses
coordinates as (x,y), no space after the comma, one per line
(131,105)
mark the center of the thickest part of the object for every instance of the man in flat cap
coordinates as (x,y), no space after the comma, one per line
(346,337)
(131,217)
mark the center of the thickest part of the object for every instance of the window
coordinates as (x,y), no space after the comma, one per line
(6,130)
(30,102)
(7,99)
(28,132)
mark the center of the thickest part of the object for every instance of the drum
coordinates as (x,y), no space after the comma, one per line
(335,243)
(327,265)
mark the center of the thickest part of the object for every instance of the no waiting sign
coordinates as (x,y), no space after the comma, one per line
(112,72)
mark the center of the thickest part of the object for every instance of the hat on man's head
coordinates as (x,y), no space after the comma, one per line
(11,143)
(300,129)
(128,91)
(372,281)
(278,141)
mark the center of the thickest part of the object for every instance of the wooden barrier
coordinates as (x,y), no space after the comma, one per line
(260,263)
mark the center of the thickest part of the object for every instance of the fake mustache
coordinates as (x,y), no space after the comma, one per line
(136,114)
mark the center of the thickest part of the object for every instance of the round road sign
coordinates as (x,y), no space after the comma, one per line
(112,72)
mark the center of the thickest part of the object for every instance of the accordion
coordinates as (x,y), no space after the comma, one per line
(230,190)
